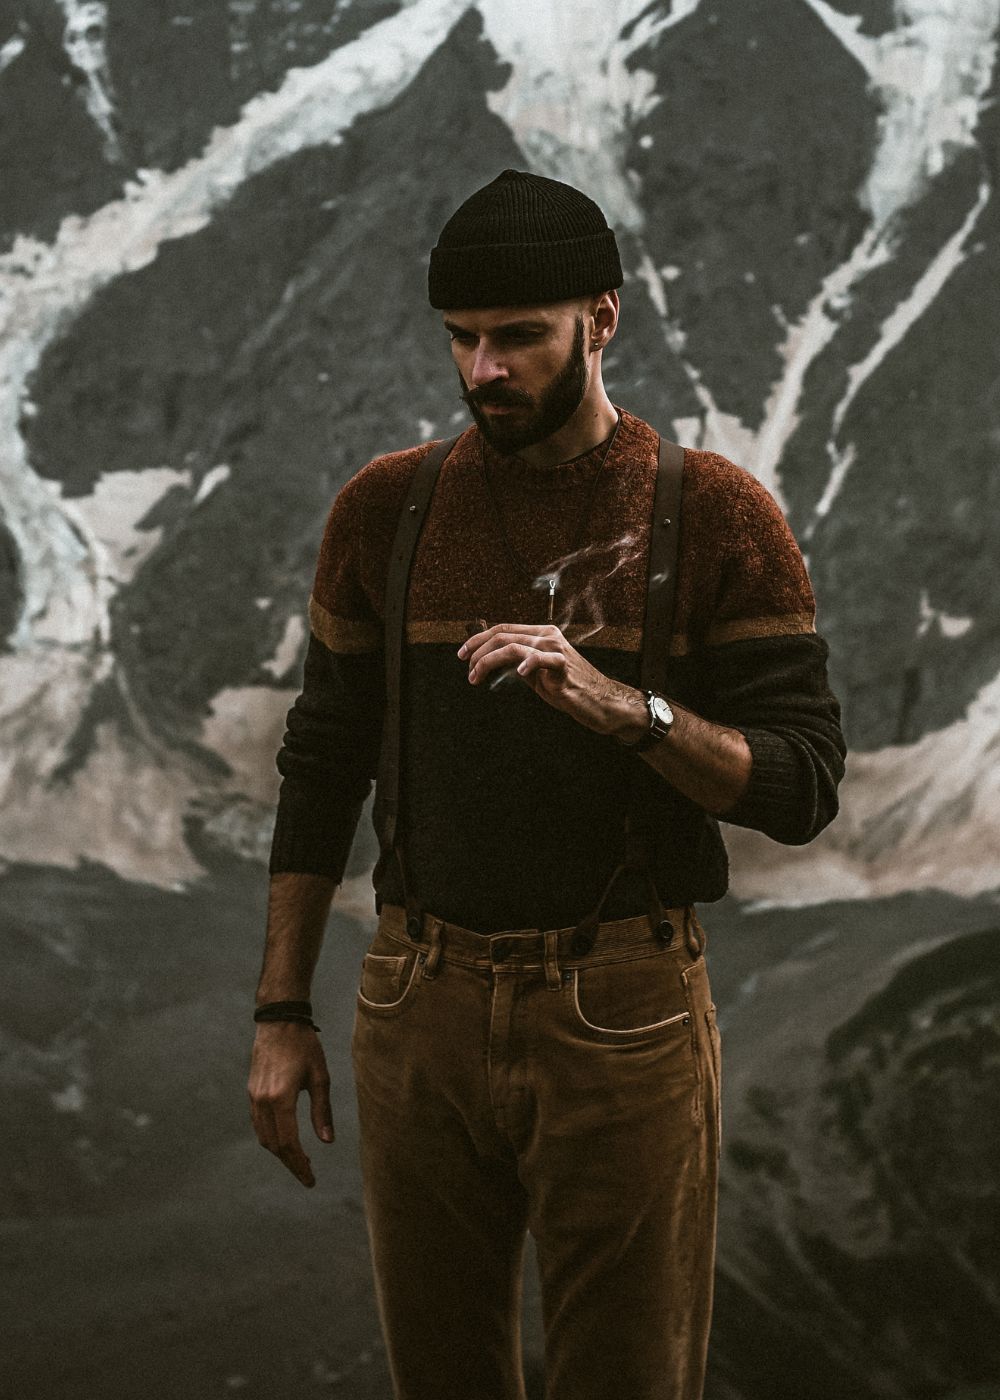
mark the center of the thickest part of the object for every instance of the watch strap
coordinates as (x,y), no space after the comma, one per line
(656,731)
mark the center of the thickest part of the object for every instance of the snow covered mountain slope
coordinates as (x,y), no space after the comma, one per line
(808,292)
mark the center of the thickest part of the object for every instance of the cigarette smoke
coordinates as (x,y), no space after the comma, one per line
(581,609)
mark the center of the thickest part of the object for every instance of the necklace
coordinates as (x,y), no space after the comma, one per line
(550,575)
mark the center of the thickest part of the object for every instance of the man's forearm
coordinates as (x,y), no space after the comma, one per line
(297,910)
(707,762)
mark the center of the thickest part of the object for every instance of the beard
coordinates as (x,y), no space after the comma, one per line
(533,419)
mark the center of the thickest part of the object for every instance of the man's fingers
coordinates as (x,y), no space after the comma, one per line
(284,1062)
(541,660)
(288,1147)
(263,1124)
(277,1129)
(514,653)
(319,1108)
(508,643)
(544,629)
(500,656)
(298,1164)
(543,632)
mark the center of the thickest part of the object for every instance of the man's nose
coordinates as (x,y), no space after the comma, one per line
(486,367)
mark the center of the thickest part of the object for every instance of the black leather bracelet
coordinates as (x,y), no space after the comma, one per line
(300,1011)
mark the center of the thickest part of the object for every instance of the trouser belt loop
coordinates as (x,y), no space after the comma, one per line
(436,945)
(553,979)
(693,934)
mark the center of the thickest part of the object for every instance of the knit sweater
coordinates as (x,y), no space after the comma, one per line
(512,813)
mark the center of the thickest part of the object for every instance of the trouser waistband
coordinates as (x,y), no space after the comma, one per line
(536,947)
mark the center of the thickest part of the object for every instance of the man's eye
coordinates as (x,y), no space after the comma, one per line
(462,338)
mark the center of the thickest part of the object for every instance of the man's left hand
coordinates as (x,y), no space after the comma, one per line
(541,656)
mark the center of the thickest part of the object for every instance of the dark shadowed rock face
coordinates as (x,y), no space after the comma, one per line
(921,492)
(172,73)
(292,349)
(55,160)
(914,1091)
(11,599)
(867,1250)
(876,16)
(749,245)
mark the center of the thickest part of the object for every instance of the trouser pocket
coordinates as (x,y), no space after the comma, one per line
(390,976)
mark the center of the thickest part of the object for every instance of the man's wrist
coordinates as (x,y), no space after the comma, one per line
(626,715)
(298,1011)
(284,1026)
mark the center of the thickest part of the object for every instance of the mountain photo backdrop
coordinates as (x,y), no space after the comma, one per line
(214,225)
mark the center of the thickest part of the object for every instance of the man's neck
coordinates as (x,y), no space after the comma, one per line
(590,424)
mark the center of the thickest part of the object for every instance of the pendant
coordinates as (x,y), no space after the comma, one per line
(553,585)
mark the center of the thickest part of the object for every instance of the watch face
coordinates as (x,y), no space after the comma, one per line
(661,710)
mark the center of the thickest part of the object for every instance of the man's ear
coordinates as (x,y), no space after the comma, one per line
(603,310)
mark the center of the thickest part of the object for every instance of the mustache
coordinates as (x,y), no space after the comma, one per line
(496,395)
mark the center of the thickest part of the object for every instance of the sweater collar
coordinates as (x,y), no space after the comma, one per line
(509,468)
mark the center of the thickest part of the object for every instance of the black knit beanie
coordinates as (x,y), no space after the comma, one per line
(522,239)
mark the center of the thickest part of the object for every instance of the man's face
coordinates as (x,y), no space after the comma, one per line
(522,369)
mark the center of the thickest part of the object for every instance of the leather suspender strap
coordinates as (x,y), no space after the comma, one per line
(661,586)
(658,625)
(657,633)
(385,814)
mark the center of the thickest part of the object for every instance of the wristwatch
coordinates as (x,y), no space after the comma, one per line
(661,718)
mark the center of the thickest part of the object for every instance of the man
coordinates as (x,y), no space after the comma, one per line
(535,1044)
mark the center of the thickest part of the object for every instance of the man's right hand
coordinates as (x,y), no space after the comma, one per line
(287,1058)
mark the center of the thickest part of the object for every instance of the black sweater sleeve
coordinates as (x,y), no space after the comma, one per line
(329,754)
(327,760)
(775,691)
(763,670)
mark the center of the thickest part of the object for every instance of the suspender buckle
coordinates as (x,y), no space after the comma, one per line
(581,943)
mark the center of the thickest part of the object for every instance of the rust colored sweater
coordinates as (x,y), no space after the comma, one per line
(512,812)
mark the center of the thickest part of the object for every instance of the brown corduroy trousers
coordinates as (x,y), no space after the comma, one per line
(504,1085)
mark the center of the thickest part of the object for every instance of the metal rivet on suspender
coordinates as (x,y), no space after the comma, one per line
(665,520)
(413,510)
